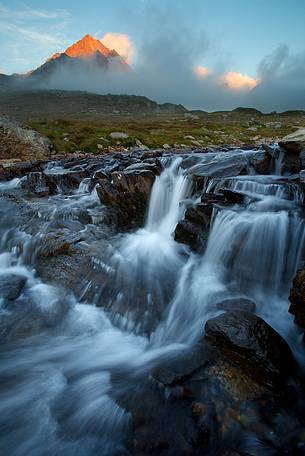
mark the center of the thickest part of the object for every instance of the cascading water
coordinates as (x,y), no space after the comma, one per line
(59,385)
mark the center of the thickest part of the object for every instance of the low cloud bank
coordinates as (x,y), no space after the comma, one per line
(167,72)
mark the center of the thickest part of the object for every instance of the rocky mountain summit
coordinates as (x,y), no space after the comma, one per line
(87,57)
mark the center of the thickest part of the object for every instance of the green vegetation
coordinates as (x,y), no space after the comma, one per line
(235,128)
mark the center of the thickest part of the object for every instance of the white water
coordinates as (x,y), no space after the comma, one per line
(57,392)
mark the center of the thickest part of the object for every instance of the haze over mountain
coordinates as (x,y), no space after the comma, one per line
(86,58)
(181,53)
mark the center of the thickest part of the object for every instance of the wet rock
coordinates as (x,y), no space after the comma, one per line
(237,304)
(128,194)
(11,286)
(2,174)
(23,168)
(249,342)
(31,314)
(302,158)
(213,198)
(39,184)
(189,233)
(69,180)
(193,230)
(261,162)
(232,196)
(297,299)
(58,244)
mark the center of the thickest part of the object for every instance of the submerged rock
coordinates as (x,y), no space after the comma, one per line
(11,286)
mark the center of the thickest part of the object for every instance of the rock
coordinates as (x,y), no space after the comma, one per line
(188,233)
(191,138)
(166,146)
(232,196)
(250,343)
(18,140)
(2,174)
(23,168)
(302,158)
(297,299)
(193,230)
(58,244)
(302,176)
(237,304)
(127,194)
(11,286)
(119,135)
(295,142)
(252,128)
(261,162)
(39,184)
(213,198)
(69,180)
(274,125)
(140,145)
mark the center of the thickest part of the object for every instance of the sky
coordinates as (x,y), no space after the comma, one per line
(207,54)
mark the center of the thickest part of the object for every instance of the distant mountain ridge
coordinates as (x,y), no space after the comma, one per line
(87,56)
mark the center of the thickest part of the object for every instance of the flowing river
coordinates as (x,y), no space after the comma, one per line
(66,360)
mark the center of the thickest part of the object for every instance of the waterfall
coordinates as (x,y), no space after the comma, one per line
(168,193)
(252,252)
(61,386)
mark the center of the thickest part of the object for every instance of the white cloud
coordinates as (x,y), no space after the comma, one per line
(122,43)
(201,72)
(238,81)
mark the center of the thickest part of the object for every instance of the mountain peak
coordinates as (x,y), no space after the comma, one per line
(86,48)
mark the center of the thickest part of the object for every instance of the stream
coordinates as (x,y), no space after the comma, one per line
(67,357)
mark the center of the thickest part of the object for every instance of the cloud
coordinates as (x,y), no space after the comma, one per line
(122,43)
(201,72)
(238,81)
(283,81)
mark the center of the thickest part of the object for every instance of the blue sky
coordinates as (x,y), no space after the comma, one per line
(221,35)
(239,31)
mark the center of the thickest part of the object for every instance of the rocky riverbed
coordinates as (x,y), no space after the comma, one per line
(144,303)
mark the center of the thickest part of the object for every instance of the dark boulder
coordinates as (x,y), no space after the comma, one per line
(39,184)
(23,168)
(232,196)
(189,233)
(297,299)
(69,180)
(250,343)
(127,194)
(11,286)
(193,230)
(261,162)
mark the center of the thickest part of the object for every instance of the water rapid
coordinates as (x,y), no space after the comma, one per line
(65,366)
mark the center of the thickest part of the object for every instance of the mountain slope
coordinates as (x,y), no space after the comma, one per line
(87,57)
